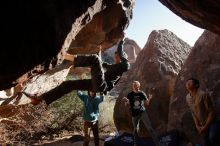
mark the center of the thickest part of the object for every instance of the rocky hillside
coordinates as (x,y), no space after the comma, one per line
(156,67)
(203,63)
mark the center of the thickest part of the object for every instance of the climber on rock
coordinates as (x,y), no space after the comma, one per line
(103,75)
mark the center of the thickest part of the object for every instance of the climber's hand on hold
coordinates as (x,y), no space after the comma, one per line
(69,57)
(81,77)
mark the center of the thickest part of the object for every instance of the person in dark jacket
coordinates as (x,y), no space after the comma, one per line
(103,75)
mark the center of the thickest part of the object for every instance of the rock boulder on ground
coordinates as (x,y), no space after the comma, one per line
(156,67)
(203,63)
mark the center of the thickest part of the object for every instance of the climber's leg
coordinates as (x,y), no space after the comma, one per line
(86,130)
(96,84)
(65,88)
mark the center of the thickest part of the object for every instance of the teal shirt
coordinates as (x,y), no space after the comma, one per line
(90,106)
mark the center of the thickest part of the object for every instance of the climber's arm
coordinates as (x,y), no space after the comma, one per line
(81,95)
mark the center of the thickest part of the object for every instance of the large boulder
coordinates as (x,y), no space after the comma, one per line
(204,14)
(203,63)
(156,67)
(43,31)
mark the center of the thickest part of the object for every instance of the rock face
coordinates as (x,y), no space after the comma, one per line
(204,14)
(43,31)
(203,63)
(130,47)
(156,67)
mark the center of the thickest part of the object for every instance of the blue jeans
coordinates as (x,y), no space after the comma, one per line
(212,137)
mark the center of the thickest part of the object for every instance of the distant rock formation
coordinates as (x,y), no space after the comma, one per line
(203,63)
(156,67)
(130,47)
(204,14)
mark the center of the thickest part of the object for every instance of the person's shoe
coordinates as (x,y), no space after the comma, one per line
(33,98)
(35,101)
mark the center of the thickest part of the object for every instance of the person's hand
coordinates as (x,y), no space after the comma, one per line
(125,100)
(198,128)
(81,76)
(69,57)
(203,129)
(18,88)
(150,96)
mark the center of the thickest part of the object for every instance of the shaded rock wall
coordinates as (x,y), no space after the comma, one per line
(45,30)
(156,67)
(42,32)
(203,63)
(202,13)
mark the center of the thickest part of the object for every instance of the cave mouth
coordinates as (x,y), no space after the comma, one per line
(138,30)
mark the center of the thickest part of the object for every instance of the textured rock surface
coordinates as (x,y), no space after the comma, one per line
(203,63)
(156,67)
(42,29)
(105,29)
(204,14)
(130,47)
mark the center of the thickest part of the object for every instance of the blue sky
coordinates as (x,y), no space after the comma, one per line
(151,15)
